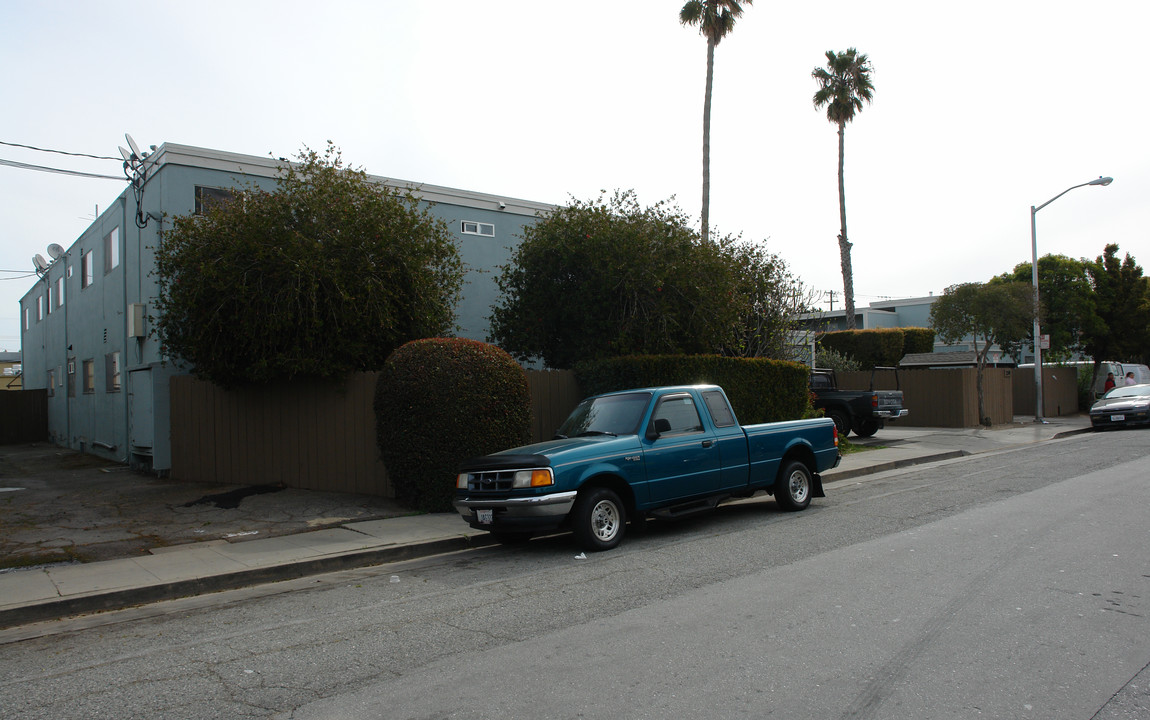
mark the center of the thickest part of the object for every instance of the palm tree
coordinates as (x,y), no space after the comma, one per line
(716,19)
(843,86)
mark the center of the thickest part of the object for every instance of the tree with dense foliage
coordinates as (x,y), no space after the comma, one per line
(1067,299)
(1122,304)
(998,313)
(716,19)
(771,302)
(440,401)
(325,275)
(844,85)
(608,277)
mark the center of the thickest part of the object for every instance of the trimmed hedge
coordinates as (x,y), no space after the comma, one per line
(440,401)
(760,390)
(918,340)
(882,347)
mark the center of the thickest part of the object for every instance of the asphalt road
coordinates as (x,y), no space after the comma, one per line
(1010,585)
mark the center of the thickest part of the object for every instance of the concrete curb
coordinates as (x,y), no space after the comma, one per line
(104,601)
(894,465)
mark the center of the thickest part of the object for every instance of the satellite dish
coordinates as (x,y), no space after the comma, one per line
(127,155)
(135,148)
(40,263)
(56,251)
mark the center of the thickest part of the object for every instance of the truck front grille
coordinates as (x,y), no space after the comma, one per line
(490,481)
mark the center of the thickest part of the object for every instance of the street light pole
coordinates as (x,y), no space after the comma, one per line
(1034,280)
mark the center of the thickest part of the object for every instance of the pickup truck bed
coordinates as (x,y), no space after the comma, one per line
(663,452)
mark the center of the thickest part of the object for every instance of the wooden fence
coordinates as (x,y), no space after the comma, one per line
(320,436)
(1059,391)
(23,416)
(949,398)
(309,435)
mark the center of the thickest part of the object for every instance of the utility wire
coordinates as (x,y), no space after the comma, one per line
(61,152)
(43,168)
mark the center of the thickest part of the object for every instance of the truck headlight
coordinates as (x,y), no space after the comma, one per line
(539,477)
(461,481)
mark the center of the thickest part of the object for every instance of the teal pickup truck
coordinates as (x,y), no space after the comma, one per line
(624,456)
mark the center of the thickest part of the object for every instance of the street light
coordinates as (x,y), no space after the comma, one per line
(1034,280)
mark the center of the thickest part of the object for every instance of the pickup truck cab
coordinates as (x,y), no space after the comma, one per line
(624,456)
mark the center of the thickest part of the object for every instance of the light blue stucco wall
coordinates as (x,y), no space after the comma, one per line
(131,424)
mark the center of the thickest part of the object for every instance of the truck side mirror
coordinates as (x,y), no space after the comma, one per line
(660,426)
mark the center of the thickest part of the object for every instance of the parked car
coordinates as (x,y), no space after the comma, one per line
(1123,406)
(663,452)
(860,411)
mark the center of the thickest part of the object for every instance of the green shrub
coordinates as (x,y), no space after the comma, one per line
(440,401)
(760,390)
(830,359)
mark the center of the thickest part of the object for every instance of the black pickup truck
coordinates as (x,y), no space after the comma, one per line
(861,411)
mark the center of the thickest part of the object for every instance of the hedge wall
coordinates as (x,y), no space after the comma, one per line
(760,390)
(882,347)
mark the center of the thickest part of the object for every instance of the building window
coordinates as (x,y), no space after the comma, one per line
(72,377)
(89,377)
(27,318)
(87,271)
(39,308)
(51,383)
(51,299)
(59,291)
(112,250)
(206,197)
(478,228)
(112,372)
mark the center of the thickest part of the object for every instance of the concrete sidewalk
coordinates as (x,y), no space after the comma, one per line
(385,535)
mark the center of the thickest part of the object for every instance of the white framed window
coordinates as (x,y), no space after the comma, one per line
(89,377)
(112,250)
(478,228)
(112,372)
(59,291)
(27,318)
(87,270)
(39,308)
(51,383)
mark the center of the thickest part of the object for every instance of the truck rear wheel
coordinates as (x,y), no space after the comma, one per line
(840,422)
(598,519)
(866,428)
(793,488)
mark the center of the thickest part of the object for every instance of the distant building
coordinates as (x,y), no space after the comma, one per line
(10,374)
(904,313)
(85,325)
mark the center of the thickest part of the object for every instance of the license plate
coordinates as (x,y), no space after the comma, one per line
(1117,418)
(484,517)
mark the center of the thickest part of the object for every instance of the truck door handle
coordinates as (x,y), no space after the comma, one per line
(708,443)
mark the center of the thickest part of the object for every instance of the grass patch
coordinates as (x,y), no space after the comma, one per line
(846,447)
(50,557)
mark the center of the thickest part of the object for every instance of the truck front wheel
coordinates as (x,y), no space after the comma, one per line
(598,519)
(840,422)
(793,488)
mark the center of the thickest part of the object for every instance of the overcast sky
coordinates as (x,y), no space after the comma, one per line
(981,110)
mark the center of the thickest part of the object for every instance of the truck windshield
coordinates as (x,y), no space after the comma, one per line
(609,415)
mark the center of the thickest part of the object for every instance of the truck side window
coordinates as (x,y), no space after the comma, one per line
(680,412)
(720,410)
(819,382)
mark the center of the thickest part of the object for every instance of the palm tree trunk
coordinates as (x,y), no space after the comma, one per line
(844,244)
(706,213)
